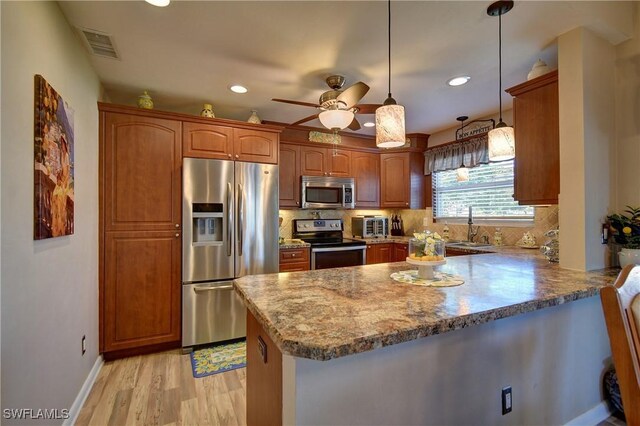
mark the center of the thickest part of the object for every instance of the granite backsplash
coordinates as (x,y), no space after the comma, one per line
(545,218)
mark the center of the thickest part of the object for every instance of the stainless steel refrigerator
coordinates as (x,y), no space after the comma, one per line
(230,229)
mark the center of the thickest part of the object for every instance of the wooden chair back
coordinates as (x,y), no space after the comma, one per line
(621,306)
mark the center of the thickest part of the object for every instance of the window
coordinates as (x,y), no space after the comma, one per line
(489,190)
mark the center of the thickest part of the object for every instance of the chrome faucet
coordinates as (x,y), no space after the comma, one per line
(471,233)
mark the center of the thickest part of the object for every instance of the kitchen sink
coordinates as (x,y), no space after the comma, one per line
(468,244)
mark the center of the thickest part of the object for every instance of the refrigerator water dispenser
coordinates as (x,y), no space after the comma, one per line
(207,224)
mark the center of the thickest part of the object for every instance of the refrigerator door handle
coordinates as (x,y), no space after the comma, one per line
(240,218)
(211,288)
(229,217)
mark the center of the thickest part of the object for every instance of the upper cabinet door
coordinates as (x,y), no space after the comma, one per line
(289,175)
(537,134)
(207,141)
(339,162)
(255,146)
(313,161)
(395,175)
(142,172)
(366,171)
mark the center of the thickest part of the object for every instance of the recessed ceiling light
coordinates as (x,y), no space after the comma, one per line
(159,3)
(458,81)
(236,88)
(369,124)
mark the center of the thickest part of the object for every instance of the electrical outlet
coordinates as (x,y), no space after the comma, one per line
(507,400)
(84,344)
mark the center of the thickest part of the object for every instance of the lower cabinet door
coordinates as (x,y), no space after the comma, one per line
(142,289)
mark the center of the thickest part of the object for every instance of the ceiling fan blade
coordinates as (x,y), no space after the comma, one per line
(286,101)
(304,120)
(367,108)
(355,125)
(353,94)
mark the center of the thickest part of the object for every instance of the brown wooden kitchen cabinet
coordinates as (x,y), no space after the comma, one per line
(289,175)
(402,180)
(140,250)
(228,143)
(366,171)
(537,134)
(379,253)
(295,259)
(400,252)
(318,161)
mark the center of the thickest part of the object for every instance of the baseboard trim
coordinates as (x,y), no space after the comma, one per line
(592,417)
(84,392)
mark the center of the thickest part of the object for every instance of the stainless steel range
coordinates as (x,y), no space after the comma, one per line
(328,248)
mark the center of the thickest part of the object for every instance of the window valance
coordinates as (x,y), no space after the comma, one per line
(473,151)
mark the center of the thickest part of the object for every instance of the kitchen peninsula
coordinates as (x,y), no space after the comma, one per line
(352,346)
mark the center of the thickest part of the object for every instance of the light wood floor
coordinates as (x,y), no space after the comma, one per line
(160,389)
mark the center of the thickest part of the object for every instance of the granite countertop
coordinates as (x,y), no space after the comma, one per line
(330,313)
(293,244)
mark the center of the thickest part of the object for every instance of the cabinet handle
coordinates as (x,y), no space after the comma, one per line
(177,235)
(177,225)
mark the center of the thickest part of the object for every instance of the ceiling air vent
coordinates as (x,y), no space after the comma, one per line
(99,43)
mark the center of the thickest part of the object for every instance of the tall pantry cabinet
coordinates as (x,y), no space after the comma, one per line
(140,230)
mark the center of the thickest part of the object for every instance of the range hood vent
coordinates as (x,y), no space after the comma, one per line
(99,43)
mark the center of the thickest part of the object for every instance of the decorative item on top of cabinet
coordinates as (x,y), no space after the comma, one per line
(253,118)
(207,111)
(145,101)
(402,180)
(295,259)
(538,69)
(537,135)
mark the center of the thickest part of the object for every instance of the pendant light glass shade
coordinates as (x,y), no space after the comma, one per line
(502,144)
(336,118)
(462,174)
(390,132)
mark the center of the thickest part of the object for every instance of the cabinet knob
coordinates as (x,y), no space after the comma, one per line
(329,173)
(293,255)
(406,204)
(298,202)
(177,225)
(177,235)
(229,155)
(237,156)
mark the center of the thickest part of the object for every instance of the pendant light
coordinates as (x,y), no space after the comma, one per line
(501,139)
(462,174)
(390,132)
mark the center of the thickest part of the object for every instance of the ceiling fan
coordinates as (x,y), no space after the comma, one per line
(338,107)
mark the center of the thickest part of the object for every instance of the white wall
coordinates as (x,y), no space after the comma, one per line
(587,128)
(553,359)
(49,287)
(627,74)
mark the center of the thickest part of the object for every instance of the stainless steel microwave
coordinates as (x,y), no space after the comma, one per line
(326,192)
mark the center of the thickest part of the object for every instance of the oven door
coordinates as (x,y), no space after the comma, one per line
(337,257)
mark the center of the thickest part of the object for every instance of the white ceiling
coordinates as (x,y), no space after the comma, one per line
(190,52)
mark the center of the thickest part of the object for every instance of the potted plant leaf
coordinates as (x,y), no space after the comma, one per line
(625,229)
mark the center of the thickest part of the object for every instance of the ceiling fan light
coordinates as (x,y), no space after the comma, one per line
(336,119)
(502,144)
(390,131)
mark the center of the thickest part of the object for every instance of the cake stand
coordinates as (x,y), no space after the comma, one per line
(425,268)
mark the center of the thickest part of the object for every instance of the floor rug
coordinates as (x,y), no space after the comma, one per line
(218,359)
